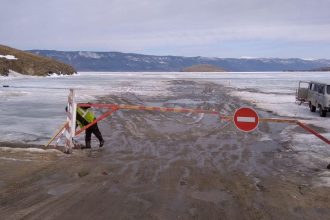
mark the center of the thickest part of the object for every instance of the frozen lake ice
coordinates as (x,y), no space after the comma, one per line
(32,108)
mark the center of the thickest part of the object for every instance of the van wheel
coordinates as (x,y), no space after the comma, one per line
(312,107)
(323,113)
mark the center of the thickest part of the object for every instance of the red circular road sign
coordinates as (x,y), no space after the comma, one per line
(246,119)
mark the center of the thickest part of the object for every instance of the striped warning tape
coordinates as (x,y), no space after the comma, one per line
(149,108)
(278,120)
(212,112)
(313,132)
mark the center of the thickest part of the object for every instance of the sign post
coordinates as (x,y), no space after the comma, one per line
(71,120)
(246,119)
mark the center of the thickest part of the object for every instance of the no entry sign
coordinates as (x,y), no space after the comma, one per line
(246,119)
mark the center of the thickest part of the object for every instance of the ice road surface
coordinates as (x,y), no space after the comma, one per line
(32,108)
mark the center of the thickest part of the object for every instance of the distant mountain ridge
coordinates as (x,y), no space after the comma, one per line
(117,61)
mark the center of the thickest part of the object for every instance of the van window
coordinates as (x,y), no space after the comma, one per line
(328,89)
(315,87)
(321,89)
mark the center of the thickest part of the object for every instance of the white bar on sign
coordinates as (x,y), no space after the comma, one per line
(246,119)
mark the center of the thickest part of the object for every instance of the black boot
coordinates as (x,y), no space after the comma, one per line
(101,143)
(88,145)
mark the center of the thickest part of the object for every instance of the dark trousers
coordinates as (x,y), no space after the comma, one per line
(95,130)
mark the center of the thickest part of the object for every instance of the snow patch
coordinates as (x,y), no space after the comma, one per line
(88,54)
(12,73)
(14,159)
(265,137)
(208,58)
(29,150)
(309,59)
(248,58)
(135,59)
(324,178)
(15,75)
(8,57)
(57,75)
(283,105)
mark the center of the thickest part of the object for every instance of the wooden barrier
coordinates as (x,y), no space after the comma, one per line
(70,125)
(184,110)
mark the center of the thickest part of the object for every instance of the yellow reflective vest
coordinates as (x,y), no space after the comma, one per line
(85,114)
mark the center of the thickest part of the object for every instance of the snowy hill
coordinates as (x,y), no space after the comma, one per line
(13,60)
(116,61)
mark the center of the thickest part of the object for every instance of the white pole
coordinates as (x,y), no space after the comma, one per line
(73,113)
(71,119)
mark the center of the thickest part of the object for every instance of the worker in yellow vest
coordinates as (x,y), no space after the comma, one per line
(85,117)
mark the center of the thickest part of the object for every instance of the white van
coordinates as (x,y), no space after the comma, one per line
(317,94)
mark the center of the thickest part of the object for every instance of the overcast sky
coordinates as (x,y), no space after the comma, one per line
(211,28)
